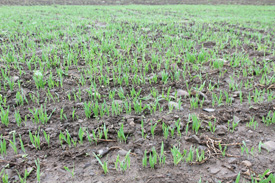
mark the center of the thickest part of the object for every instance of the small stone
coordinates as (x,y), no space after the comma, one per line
(214,170)
(221,130)
(203,95)
(9,172)
(193,139)
(29,169)
(129,120)
(92,173)
(15,78)
(269,146)
(132,123)
(122,152)
(182,93)
(138,151)
(236,94)
(175,105)
(118,102)
(206,102)
(236,119)
(231,176)
(103,151)
(232,160)
(176,117)
(208,110)
(79,104)
(247,163)
(87,165)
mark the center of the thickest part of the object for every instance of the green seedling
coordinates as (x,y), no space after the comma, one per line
(37,163)
(80,135)
(144,159)
(153,127)
(23,179)
(120,134)
(47,137)
(18,118)
(4,115)
(177,156)
(105,131)
(13,143)
(70,171)
(196,123)
(21,144)
(104,165)
(3,146)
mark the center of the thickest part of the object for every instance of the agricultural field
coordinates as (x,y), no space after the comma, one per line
(143,94)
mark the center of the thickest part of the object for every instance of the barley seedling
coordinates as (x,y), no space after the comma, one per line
(177,124)
(37,163)
(260,146)
(121,135)
(104,165)
(4,115)
(38,79)
(212,127)
(35,139)
(199,157)
(142,130)
(18,118)
(73,114)
(222,149)
(125,163)
(144,159)
(172,130)
(88,137)
(190,155)
(196,123)
(87,109)
(269,119)
(26,174)
(177,156)
(252,123)
(186,128)
(68,138)
(153,127)
(233,125)
(13,144)
(105,131)
(19,98)
(5,176)
(80,135)
(61,138)
(162,157)
(47,137)
(117,162)
(238,178)
(165,130)
(3,146)
(70,171)
(151,161)
(21,144)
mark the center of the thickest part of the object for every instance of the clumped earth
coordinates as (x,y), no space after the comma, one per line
(187,89)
